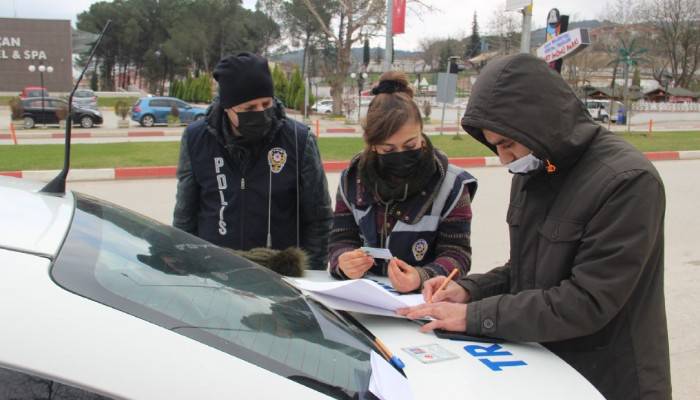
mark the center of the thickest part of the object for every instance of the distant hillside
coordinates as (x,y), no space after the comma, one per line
(295,57)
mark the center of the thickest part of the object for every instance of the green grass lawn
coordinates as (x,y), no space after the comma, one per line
(665,141)
(345,148)
(34,157)
(110,101)
(50,156)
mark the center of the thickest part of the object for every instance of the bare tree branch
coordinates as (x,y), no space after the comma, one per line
(322,24)
(676,24)
(422,4)
(352,20)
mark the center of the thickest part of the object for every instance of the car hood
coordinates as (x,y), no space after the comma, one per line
(481,370)
(30,221)
(542,375)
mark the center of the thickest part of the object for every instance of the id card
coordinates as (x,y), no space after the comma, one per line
(430,353)
(376,252)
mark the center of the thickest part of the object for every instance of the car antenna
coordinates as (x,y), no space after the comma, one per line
(58,184)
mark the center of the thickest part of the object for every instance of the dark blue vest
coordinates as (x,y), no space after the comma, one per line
(412,243)
(234,204)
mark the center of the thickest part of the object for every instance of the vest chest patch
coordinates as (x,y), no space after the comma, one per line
(277,157)
(420,249)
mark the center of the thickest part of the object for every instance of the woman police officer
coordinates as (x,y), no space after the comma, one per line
(402,194)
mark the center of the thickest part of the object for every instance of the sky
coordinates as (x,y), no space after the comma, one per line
(451,18)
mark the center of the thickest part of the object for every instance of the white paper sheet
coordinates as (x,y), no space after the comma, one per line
(363,291)
(386,382)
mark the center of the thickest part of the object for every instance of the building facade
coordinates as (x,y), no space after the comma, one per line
(25,42)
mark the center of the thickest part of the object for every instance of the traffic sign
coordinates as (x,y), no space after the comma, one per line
(565,45)
(446,87)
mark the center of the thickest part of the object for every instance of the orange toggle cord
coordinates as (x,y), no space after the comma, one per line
(551,168)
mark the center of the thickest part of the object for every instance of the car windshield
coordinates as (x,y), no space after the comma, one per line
(37,93)
(182,283)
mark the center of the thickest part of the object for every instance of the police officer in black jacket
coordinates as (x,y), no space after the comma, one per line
(248,176)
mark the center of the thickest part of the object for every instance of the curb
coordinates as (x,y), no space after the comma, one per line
(122,173)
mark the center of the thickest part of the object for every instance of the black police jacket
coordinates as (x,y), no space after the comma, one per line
(243,196)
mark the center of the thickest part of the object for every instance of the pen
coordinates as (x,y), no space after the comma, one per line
(387,353)
(445,282)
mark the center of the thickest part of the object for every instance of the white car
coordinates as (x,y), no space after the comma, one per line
(323,106)
(598,112)
(99,302)
(599,109)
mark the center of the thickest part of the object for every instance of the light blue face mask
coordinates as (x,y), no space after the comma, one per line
(524,165)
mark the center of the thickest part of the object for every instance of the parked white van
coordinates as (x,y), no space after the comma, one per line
(600,109)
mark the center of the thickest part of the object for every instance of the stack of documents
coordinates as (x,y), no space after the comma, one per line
(359,295)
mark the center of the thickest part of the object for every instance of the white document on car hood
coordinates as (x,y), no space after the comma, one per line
(386,382)
(363,291)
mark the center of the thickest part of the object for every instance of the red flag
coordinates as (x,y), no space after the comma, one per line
(399,17)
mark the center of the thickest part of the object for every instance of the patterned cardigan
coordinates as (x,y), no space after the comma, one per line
(453,247)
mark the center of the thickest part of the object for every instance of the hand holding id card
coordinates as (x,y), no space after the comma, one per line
(376,252)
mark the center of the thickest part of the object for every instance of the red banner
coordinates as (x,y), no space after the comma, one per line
(399,17)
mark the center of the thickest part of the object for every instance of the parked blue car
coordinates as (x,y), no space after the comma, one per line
(149,111)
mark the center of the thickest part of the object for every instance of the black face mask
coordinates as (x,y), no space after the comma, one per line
(399,165)
(253,126)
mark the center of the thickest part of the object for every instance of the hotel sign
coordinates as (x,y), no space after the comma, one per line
(11,48)
(25,42)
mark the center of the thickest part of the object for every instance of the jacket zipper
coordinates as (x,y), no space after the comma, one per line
(243,167)
(243,209)
(384,242)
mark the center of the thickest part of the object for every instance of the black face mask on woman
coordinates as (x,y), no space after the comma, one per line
(253,126)
(399,165)
(396,176)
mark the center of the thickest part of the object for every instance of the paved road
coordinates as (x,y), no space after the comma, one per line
(452,116)
(108,132)
(155,198)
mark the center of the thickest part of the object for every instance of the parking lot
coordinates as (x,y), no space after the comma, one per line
(156,198)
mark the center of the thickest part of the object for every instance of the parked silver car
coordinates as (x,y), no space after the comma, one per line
(85,98)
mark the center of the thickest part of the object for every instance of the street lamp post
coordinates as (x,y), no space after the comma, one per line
(158,55)
(360,82)
(41,68)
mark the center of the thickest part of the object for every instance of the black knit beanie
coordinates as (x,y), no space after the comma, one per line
(243,77)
